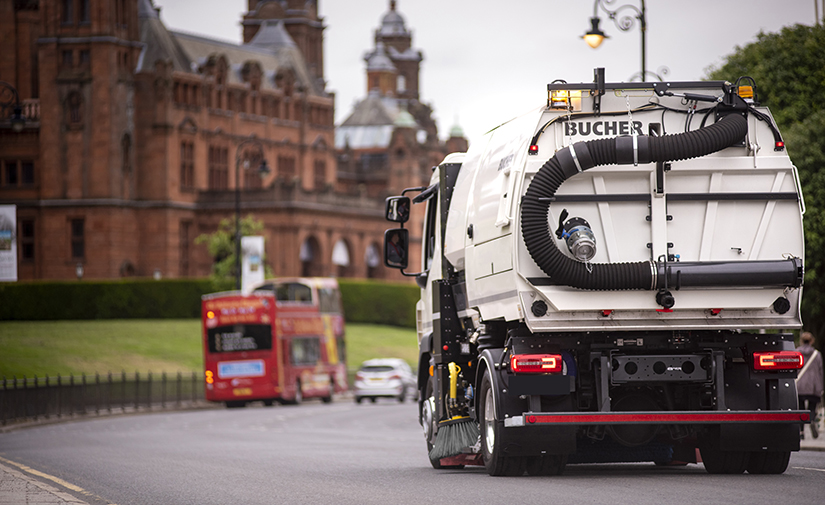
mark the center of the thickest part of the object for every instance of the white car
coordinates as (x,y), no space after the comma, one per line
(388,377)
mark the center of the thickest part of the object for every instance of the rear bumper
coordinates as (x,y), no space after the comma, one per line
(674,417)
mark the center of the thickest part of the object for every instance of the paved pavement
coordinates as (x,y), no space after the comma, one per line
(18,488)
(21,485)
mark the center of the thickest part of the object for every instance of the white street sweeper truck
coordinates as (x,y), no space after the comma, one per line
(612,277)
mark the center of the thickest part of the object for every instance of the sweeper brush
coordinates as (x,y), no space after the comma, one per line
(453,436)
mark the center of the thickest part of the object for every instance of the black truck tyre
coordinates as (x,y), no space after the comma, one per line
(548,464)
(723,462)
(496,463)
(768,462)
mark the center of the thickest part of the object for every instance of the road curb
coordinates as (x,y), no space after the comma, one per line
(20,486)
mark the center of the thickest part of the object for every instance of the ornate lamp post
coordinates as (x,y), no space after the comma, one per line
(262,170)
(625,18)
(10,99)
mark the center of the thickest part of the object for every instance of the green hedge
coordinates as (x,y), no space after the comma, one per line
(364,301)
(379,302)
(133,299)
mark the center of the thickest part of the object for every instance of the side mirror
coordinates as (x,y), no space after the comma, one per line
(398,209)
(396,243)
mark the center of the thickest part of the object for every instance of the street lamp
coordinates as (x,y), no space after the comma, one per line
(10,99)
(263,169)
(623,22)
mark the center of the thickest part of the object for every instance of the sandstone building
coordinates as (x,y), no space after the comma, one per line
(135,136)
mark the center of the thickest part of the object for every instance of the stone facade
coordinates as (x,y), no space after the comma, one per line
(135,138)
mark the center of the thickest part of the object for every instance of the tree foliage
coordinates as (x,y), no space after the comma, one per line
(221,246)
(789,70)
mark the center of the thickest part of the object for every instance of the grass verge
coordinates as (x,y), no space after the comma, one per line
(158,345)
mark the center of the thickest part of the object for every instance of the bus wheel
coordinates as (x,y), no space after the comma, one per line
(328,397)
(299,395)
(235,404)
(269,402)
(403,395)
(358,399)
(495,462)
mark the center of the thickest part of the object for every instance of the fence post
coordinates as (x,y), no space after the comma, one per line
(59,396)
(163,390)
(72,403)
(97,393)
(149,390)
(83,393)
(123,390)
(109,393)
(3,403)
(180,379)
(194,386)
(137,390)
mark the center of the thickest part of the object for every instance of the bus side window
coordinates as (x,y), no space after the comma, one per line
(293,292)
(329,300)
(305,351)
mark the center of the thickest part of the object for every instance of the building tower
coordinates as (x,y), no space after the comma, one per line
(300,18)
(396,41)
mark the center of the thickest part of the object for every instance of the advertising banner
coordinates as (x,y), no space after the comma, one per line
(252,263)
(8,243)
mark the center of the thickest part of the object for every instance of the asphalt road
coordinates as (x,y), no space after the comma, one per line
(344,453)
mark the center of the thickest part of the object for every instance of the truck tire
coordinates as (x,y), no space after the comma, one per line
(768,462)
(723,462)
(495,461)
(549,464)
(428,422)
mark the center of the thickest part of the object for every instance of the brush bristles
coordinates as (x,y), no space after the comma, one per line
(454,437)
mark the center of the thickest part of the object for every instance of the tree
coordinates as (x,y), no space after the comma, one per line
(221,246)
(789,70)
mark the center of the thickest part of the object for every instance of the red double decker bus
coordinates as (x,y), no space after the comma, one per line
(284,342)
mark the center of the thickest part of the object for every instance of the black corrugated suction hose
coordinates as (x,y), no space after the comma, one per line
(567,162)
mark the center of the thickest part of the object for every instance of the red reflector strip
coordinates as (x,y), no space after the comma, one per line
(797,416)
(536,363)
(781,360)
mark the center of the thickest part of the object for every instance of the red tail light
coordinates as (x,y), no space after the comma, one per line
(395,377)
(780,360)
(358,376)
(536,363)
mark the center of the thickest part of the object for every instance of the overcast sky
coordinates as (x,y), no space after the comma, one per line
(486,61)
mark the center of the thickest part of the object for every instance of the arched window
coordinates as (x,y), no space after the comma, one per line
(341,258)
(401,84)
(74,103)
(310,256)
(372,257)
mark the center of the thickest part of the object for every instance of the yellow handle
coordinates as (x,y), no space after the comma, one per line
(454,369)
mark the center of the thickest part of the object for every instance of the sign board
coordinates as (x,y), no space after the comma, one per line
(8,243)
(252,263)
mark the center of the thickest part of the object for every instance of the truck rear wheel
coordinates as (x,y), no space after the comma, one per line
(548,464)
(491,451)
(768,462)
(723,462)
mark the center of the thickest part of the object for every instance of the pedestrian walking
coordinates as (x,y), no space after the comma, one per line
(809,382)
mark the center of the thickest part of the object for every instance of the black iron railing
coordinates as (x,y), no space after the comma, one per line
(36,398)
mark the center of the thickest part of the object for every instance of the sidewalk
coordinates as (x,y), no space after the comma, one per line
(17,488)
